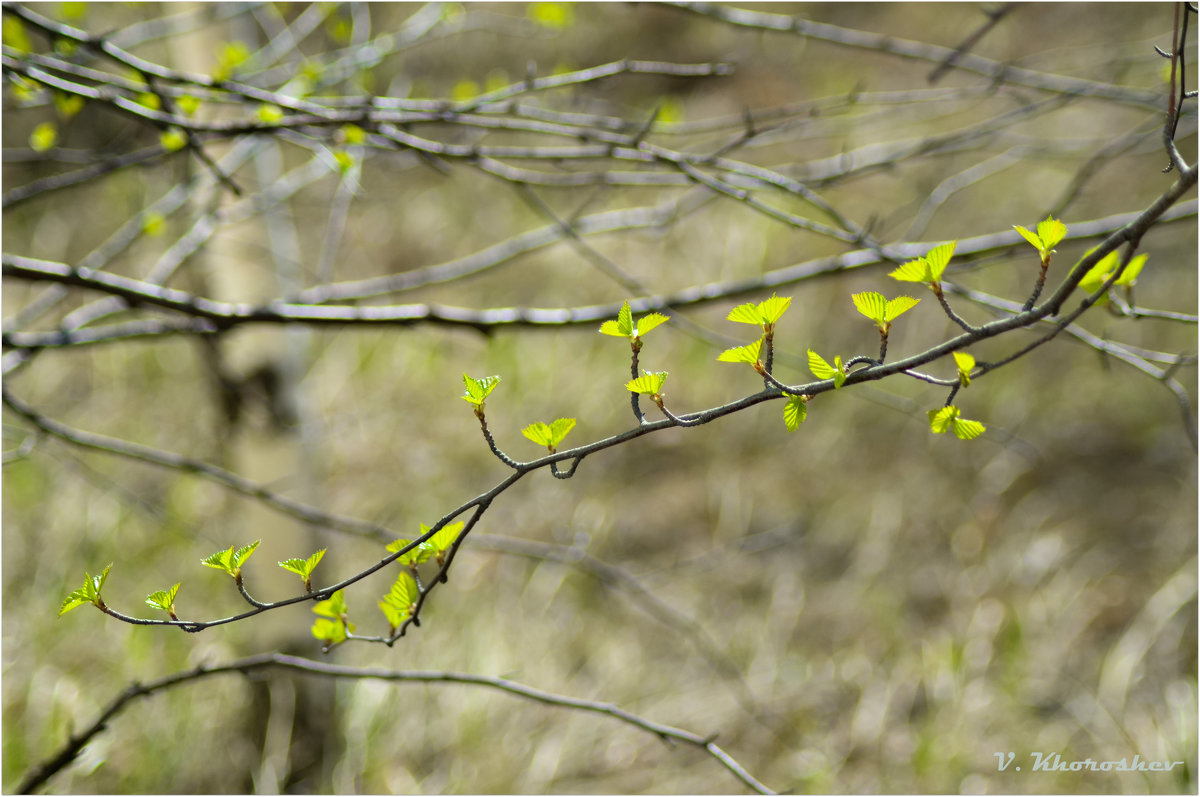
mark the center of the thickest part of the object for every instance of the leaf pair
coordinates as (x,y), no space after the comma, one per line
(947,418)
(1049,233)
(650,383)
(927,269)
(398,605)
(333,625)
(880,310)
(549,435)
(765,313)
(88,593)
(478,390)
(1098,274)
(624,327)
(435,546)
(304,567)
(231,561)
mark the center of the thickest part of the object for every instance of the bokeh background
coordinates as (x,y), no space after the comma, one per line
(859,606)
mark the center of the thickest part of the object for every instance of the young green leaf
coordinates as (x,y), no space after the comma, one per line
(334,607)
(479,389)
(397,606)
(416,556)
(898,306)
(549,435)
(823,370)
(965,363)
(872,305)
(968,430)
(304,567)
(1049,233)
(948,417)
(231,560)
(650,383)
(649,322)
(332,626)
(765,313)
(442,541)
(742,354)
(624,327)
(794,412)
(165,600)
(926,269)
(88,593)
(1098,274)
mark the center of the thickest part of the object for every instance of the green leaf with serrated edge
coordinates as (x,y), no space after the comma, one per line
(965,363)
(938,258)
(649,322)
(244,553)
(773,309)
(940,420)
(414,557)
(742,354)
(968,430)
(745,314)
(794,412)
(820,369)
(538,433)
(303,567)
(445,536)
(898,306)
(823,370)
(1051,231)
(295,566)
(404,592)
(872,305)
(479,389)
(221,560)
(1032,237)
(98,580)
(559,429)
(74,601)
(649,383)
(163,599)
(913,271)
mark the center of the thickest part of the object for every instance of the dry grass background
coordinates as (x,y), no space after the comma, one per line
(900,606)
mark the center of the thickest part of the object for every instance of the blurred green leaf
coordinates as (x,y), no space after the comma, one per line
(555,16)
(14,35)
(44,136)
(965,363)
(173,139)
